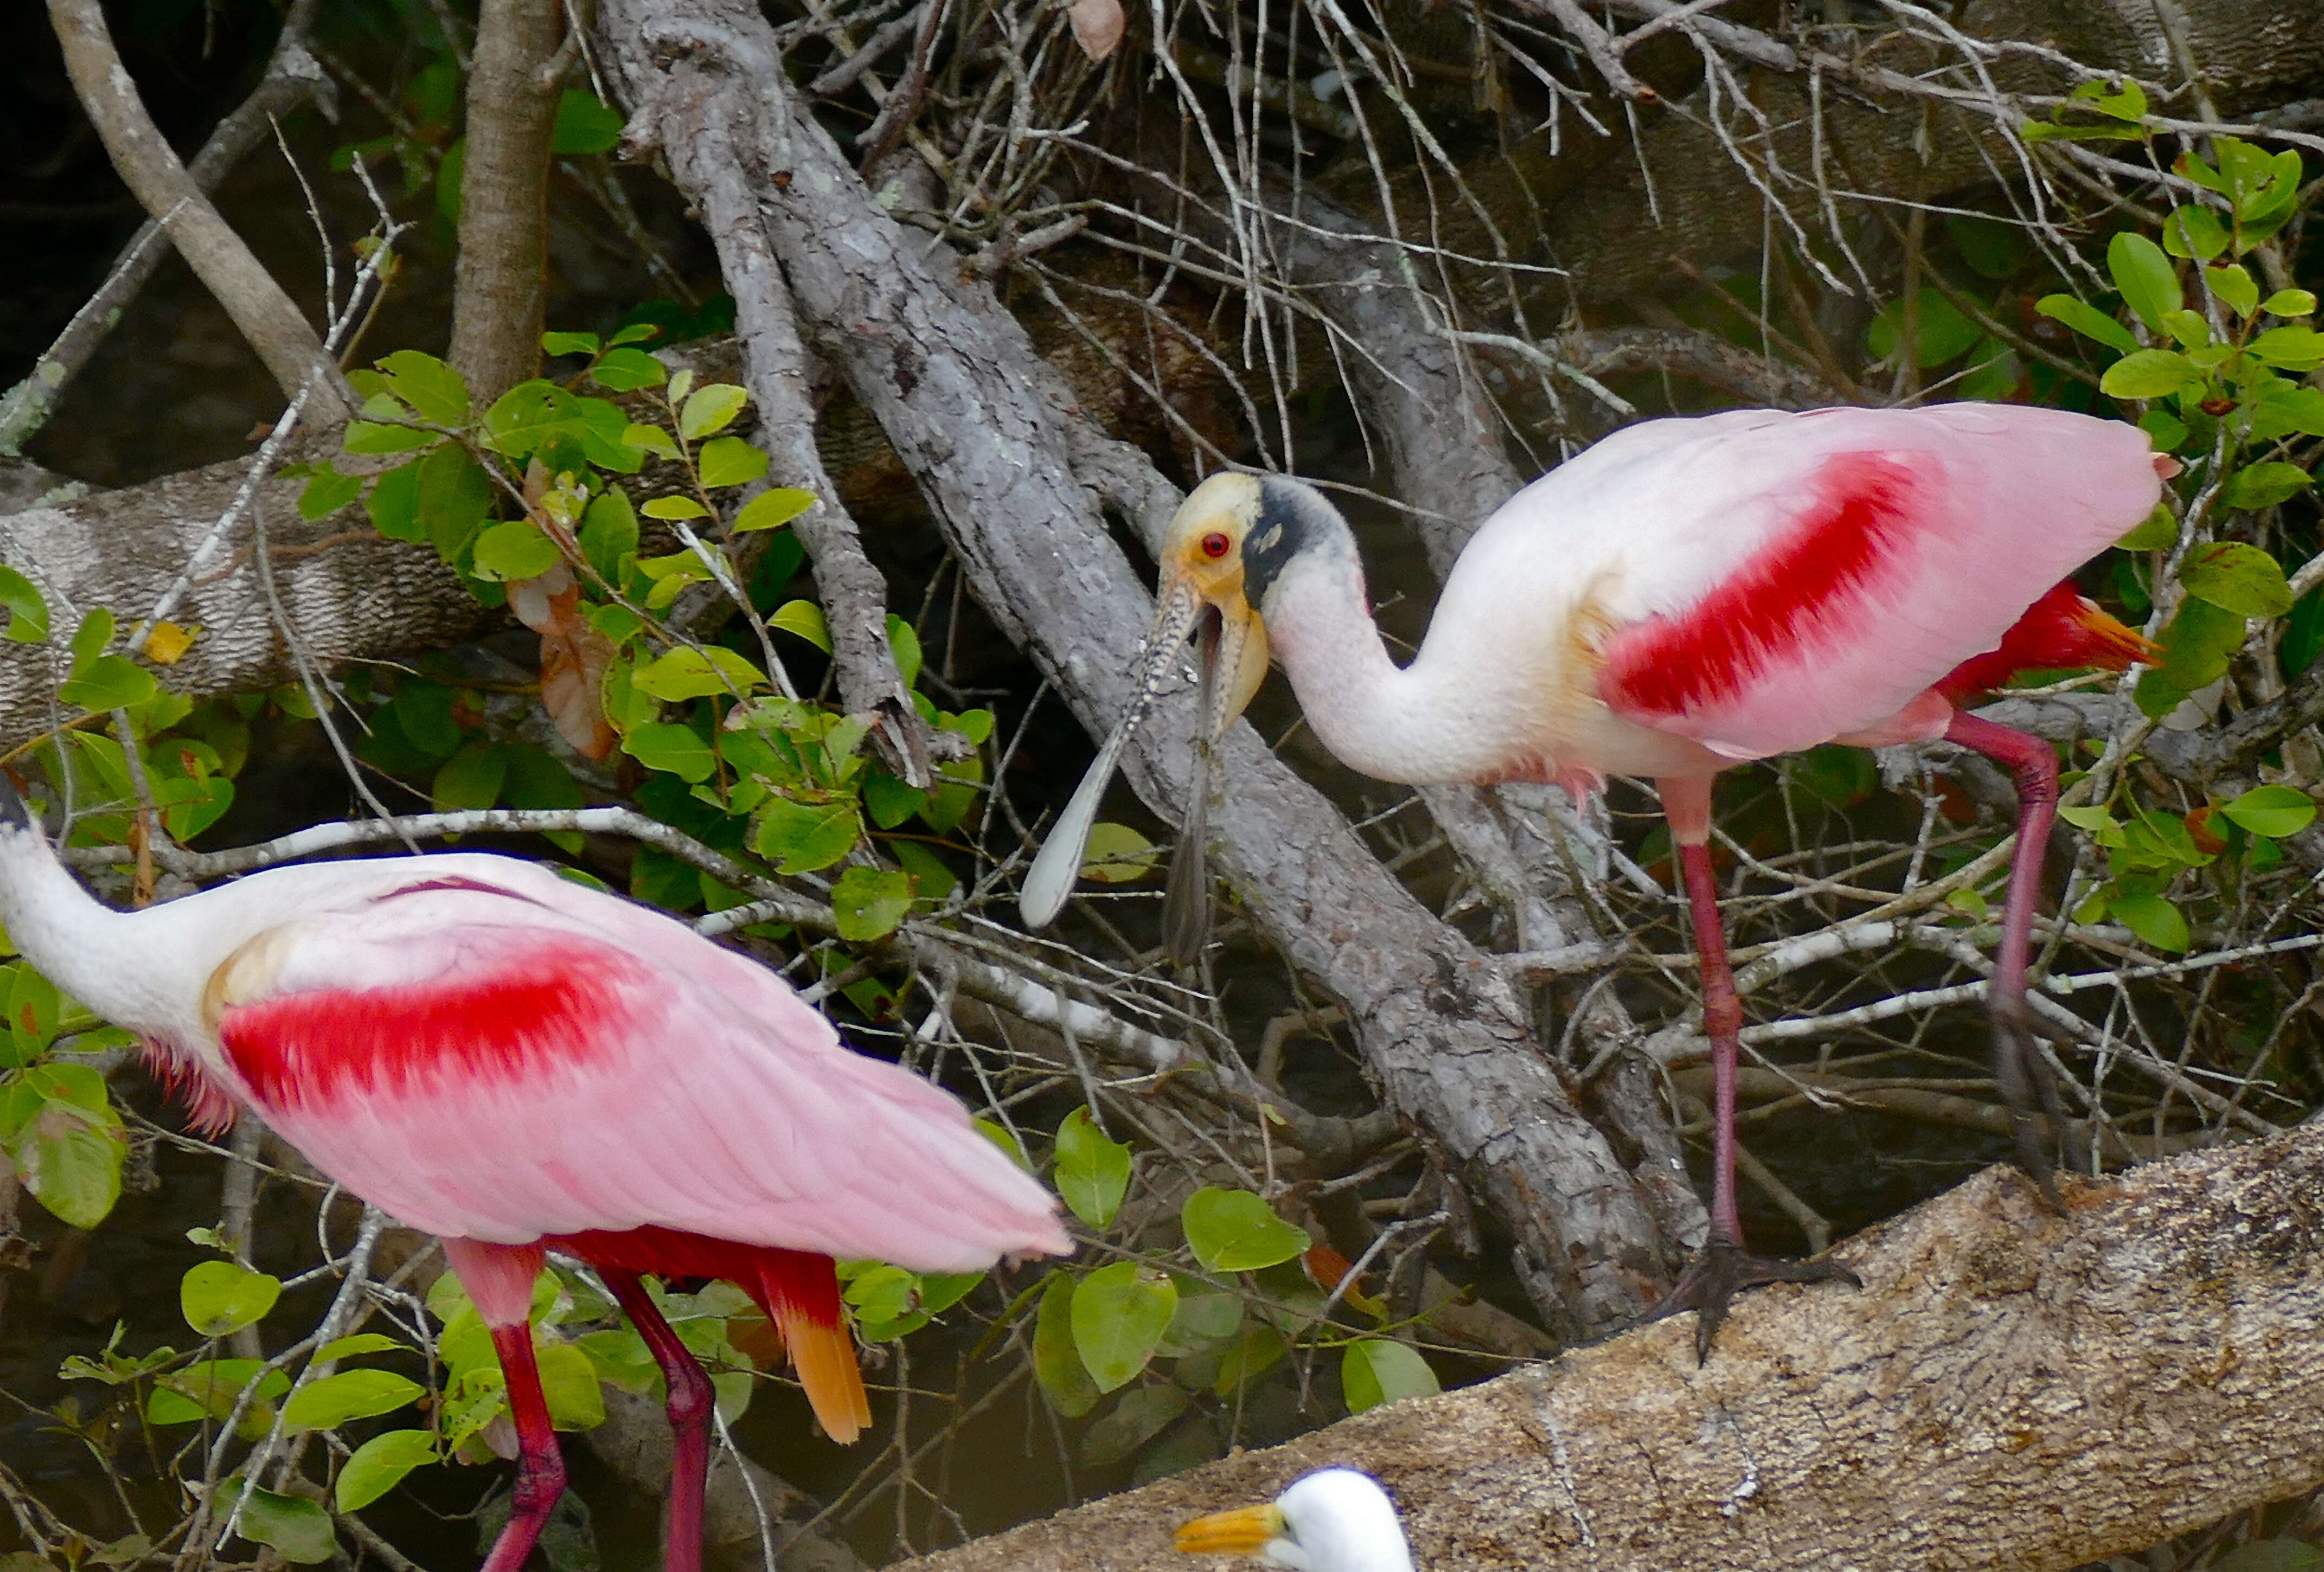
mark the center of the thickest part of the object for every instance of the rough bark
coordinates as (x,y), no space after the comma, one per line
(358,597)
(709,168)
(2011,1388)
(500,283)
(267,317)
(978,418)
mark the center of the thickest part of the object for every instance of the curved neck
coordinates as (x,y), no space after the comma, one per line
(1391,722)
(68,936)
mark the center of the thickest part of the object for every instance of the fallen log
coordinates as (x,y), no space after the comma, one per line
(2011,1388)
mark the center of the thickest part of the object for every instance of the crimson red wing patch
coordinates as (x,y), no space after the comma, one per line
(554,1006)
(1809,582)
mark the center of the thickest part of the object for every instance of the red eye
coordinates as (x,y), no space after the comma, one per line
(1215,544)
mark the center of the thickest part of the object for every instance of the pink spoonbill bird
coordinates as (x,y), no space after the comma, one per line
(1686,595)
(519,1063)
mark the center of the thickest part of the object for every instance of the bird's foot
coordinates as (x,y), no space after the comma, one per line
(2025,1080)
(1723,1269)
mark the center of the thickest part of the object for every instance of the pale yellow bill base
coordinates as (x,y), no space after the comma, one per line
(1049,882)
(1244,1532)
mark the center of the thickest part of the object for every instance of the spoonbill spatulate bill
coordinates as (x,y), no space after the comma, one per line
(1334,1519)
(495,1055)
(1686,595)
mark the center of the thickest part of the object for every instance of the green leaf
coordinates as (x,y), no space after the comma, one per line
(109,682)
(1056,1362)
(69,1157)
(651,439)
(2154,920)
(2127,102)
(433,389)
(297,1527)
(2088,320)
(331,1401)
(2158,531)
(1093,1171)
(2198,644)
(2166,431)
(2195,232)
(1375,1371)
(2232,284)
(806,618)
(370,436)
(585,124)
(625,371)
(2273,811)
(802,837)
(218,1297)
(729,461)
(675,749)
(904,644)
(472,777)
(1233,1230)
(569,1382)
(208,1389)
(774,506)
(1994,249)
(90,639)
(394,504)
(28,611)
(515,549)
(2242,578)
(1136,1417)
(609,532)
(2289,303)
(328,492)
(570,342)
(2149,284)
(379,1466)
(2264,486)
(2188,328)
(2293,348)
(674,507)
(361,1343)
(867,902)
(1117,854)
(2149,373)
(1119,1313)
(1258,1347)
(709,409)
(1944,332)
(689,671)
(455,499)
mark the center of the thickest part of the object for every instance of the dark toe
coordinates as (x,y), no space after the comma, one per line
(1722,1270)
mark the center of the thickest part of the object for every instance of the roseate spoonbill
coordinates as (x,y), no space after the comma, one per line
(1334,1519)
(519,1063)
(1685,595)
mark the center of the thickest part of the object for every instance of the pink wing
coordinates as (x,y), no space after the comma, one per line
(503,1064)
(1843,562)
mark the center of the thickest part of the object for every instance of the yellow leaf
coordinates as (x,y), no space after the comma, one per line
(168,642)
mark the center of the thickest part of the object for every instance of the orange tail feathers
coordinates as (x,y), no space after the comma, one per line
(2061,630)
(800,1294)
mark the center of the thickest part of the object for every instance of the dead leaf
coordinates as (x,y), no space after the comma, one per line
(572,658)
(167,643)
(1097,26)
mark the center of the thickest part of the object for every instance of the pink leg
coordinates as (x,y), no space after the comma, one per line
(1723,1268)
(2018,1068)
(499,1280)
(690,1401)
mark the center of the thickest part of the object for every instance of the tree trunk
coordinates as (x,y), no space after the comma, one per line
(2010,1388)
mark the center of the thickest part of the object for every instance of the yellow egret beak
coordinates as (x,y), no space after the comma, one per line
(1202,572)
(1247,1531)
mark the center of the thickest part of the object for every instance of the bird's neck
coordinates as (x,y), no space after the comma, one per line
(1391,722)
(70,937)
